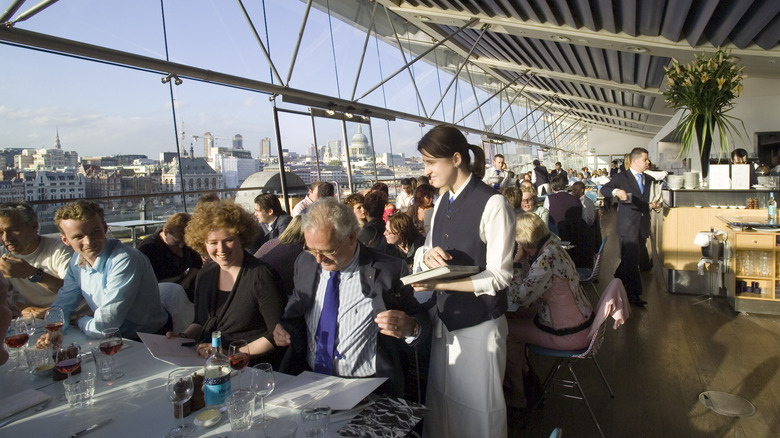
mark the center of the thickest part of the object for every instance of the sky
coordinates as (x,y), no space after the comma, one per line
(105,110)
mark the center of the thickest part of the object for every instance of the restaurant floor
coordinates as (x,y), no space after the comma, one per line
(660,361)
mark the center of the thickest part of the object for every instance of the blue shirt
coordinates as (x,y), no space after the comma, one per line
(120,288)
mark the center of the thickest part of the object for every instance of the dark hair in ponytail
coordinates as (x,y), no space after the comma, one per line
(443,141)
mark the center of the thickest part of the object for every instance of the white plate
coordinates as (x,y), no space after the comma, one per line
(766,229)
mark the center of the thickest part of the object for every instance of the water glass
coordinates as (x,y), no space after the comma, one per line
(316,420)
(104,365)
(80,388)
(39,360)
(240,406)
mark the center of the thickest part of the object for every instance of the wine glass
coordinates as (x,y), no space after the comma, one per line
(67,358)
(110,344)
(54,320)
(180,389)
(238,359)
(17,338)
(262,385)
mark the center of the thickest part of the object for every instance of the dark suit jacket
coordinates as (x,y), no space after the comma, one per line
(556,172)
(380,278)
(633,220)
(278,227)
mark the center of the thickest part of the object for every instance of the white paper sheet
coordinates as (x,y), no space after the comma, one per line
(336,392)
(740,176)
(719,176)
(171,350)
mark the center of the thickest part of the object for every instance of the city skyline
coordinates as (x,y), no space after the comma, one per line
(100,107)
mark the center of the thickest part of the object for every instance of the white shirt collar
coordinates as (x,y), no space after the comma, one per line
(454,196)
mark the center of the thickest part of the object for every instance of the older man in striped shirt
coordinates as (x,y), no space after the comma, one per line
(349,314)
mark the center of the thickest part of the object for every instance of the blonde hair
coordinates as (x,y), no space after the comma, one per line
(293,235)
(224,215)
(530,231)
(80,210)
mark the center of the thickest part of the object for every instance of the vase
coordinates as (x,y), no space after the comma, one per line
(704,146)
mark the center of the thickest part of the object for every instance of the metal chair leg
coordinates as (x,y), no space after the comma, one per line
(603,377)
(585,399)
(547,380)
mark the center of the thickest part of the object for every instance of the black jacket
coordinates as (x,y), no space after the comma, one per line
(633,220)
(380,278)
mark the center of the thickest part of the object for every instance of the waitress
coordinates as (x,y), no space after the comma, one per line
(472,225)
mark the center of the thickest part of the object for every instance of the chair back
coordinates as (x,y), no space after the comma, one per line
(594,274)
(612,303)
(175,301)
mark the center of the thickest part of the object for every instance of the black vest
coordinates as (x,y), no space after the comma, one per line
(456,230)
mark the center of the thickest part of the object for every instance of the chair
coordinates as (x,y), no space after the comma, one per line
(614,302)
(175,301)
(590,276)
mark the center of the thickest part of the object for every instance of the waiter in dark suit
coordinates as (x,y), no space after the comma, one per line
(273,220)
(349,314)
(559,171)
(632,188)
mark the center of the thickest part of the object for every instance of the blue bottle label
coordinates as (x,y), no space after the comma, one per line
(216,389)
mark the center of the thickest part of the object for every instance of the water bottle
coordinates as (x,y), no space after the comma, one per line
(771,207)
(217,374)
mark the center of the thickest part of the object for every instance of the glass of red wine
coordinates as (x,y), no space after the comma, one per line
(110,344)
(54,320)
(67,358)
(239,358)
(16,339)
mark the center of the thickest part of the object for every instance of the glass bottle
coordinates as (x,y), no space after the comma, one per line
(216,374)
(771,208)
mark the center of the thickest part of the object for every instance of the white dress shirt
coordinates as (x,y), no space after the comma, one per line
(497,230)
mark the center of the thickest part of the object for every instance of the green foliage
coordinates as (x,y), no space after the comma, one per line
(705,89)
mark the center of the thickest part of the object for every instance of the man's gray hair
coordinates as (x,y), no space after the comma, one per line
(23,209)
(329,212)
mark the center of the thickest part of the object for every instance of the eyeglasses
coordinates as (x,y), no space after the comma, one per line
(323,253)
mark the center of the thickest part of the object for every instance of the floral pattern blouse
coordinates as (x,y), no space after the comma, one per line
(528,289)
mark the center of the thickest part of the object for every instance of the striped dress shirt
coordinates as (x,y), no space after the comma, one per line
(356,339)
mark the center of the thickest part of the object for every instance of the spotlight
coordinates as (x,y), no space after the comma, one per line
(177,81)
(422,125)
(330,112)
(348,115)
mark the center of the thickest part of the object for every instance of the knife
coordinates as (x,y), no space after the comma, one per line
(91,428)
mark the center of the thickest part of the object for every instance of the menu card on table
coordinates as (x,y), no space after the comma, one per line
(171,350)
(337,392)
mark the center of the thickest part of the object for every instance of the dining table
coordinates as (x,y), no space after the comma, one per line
(136,404)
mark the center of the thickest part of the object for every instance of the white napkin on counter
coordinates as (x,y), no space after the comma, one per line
(21,401)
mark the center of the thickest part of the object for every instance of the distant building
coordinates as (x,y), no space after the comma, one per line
(208,143)
(236,170)
(99,182)
(24,160)
(12,190)
(49,185)
(359,147)
(128,160)
(197,175)
(265,148)
(332,151)
(7,157)
(238,141)
(392,160)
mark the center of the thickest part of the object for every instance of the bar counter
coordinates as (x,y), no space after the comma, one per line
(688,212)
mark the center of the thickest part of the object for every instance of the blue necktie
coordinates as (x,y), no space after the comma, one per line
(449,205)
(326,329)
(498,184)
(639,182)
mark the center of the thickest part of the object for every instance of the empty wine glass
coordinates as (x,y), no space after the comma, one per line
(17,338)
(110,344)
(180,389)
(262,385)
(238,359)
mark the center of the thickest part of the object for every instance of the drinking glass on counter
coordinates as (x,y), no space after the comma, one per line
(110,344)
(180,389)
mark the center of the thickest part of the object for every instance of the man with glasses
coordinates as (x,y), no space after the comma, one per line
(349,314)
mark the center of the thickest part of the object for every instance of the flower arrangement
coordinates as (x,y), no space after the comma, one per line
(705,89)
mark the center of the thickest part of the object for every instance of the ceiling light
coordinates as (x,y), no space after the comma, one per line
(560,38)
(637,49)
(348,115)
(330,112)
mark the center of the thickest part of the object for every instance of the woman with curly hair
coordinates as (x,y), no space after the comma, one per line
(237,294)
(402,237)
(355,201)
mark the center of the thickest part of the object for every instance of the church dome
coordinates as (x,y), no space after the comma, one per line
(359,137)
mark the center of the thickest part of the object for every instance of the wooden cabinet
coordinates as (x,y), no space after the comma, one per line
(753,259)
